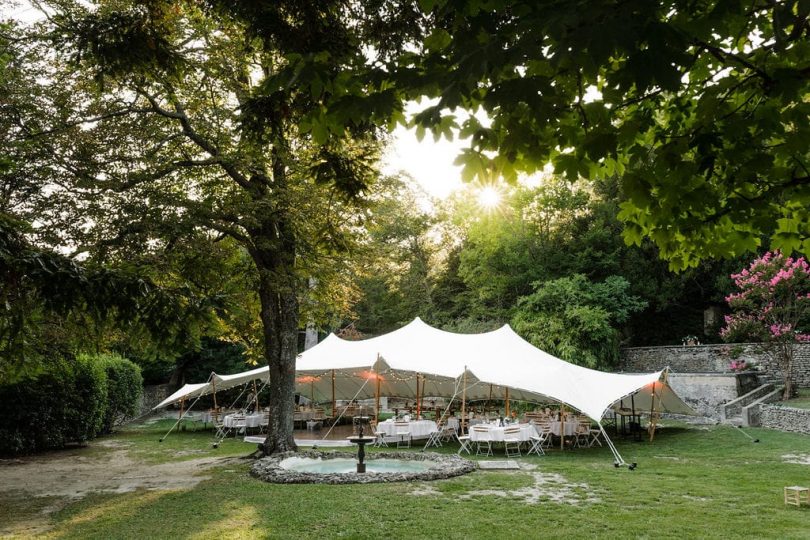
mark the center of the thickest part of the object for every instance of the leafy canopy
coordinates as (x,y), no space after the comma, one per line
(701,108)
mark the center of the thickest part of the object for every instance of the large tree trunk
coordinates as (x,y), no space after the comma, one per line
(279,314)
(274,254)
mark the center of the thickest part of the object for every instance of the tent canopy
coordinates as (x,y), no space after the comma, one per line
(492,361)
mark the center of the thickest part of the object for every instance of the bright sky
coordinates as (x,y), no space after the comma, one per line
(429,163)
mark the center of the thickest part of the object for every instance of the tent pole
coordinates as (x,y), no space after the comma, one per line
(464,402)
(182,406)
(181,417)
(619,460)
(312,393)
(507,402)
(334,403)
(418,399)
(255,397)
(214,386)
(562,426)
(654,411)
(377,393)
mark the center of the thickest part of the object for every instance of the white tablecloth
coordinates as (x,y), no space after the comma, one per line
(570,428)
(496,432)
(250,420)
(420,429)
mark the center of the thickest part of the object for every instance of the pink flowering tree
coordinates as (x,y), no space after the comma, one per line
(772,306)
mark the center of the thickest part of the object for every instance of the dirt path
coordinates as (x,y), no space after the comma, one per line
(108,467)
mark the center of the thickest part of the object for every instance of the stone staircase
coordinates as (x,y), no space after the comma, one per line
(744,411)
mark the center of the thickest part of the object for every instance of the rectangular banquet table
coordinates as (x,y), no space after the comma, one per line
(496,432)
(250,420)
(420,429)
(570,428)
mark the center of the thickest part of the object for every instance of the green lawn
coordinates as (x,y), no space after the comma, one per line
(802,401)
(693,481)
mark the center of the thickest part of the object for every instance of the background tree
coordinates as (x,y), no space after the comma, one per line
(576,319)
(772,306)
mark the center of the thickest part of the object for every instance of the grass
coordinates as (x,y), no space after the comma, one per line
(802,401)
(691,482)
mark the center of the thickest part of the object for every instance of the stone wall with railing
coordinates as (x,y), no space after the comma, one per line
(712,359)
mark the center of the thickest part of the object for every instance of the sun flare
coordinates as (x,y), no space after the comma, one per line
(489,197)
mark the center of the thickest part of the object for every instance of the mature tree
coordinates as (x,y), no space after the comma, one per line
(772,306)
(700,107)
(161,119)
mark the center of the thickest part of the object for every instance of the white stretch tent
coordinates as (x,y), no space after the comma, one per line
(493,361)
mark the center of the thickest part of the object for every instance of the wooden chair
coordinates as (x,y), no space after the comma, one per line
(795,494)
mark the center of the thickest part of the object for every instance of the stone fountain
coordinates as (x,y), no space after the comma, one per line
(361,443)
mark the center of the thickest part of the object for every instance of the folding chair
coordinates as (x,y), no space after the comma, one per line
(434,439)
(402,430)
(537,442)
(582,432)
(596,435)
(464,443)
(482,441)
(511,441)
(379,436)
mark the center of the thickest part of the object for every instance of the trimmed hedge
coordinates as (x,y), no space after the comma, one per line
(70,403)
(124,389)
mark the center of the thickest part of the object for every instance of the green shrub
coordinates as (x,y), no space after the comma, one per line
(124,389)
(63,405)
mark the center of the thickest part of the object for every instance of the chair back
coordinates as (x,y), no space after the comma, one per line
(481,432)
(511,430)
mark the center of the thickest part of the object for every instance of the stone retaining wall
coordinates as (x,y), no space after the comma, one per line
(152,395)
(711,359)
(785,418)
(705,392)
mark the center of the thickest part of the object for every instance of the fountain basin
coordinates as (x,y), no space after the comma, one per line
(315,467)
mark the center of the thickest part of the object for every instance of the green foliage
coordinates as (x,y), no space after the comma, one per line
(700,108)
(66,404)
(43,293)
(577,319)
(124,388)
